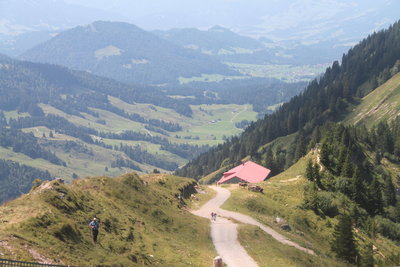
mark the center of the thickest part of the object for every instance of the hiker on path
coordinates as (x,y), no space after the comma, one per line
(213,216)
(94,225)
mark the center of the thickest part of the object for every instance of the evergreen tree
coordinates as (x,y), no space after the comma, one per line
(347,168)
(343,244)
(310,171)
(357,188)
(389,192)
(375,201)
(324,154)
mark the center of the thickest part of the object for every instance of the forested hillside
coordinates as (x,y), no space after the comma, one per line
(366,66)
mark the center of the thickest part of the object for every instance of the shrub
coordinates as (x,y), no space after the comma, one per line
(67,233)
(255,205)
(326,204)
(388,228)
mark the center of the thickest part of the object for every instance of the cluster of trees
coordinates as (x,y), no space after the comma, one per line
(325,99)
(27,144)
(68,146)
(347,183)
(136,153)
(120,162)
(56,123)
(16,179)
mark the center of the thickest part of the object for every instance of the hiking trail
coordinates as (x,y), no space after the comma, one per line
(224,231)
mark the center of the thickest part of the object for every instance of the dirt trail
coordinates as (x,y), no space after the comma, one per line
(224,232)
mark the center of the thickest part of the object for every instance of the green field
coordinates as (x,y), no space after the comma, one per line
(287,73)
(208,125)
(208,78)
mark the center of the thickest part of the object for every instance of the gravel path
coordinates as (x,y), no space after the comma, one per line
(224,231)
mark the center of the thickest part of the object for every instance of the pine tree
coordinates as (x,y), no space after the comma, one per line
(389,191)
(310,171)
(347,168)
(343,244)
(358,188)
(375,201)
(324,154)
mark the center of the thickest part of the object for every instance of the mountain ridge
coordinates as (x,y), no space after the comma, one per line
(139,56)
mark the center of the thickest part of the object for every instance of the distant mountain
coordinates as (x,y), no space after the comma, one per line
(124,52)
(14,45)
(216,40)
(229,46)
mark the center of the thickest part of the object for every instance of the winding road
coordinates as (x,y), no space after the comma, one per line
(224,231)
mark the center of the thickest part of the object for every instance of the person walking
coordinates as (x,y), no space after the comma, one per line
(94,226)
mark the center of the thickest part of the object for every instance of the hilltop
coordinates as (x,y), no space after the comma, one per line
(142,222)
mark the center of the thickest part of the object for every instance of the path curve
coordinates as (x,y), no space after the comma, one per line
(224,232)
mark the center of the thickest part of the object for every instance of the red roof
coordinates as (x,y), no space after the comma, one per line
(249,171)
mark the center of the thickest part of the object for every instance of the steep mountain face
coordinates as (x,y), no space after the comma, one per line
(141,223)
(124,52)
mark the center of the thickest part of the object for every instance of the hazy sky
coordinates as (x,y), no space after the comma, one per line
(276,19)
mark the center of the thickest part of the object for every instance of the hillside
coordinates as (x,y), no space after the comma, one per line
(382,104)
(283,203)
(346,193)
(142,223)
(124,52)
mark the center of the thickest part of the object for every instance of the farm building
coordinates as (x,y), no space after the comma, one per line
(246,172)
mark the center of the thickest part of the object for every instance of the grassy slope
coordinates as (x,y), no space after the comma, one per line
(140,223)
(200,124)
(382,104)
(210,123)
(282,197)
